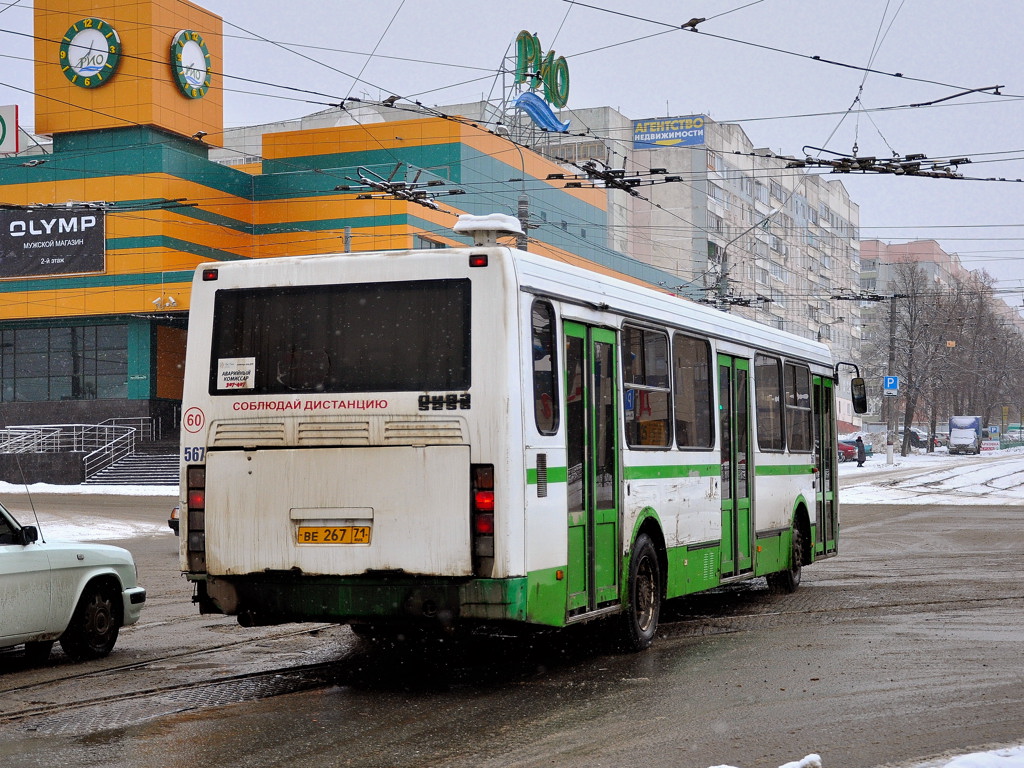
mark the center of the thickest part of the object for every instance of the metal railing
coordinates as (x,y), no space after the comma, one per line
(102,444)
(111,451)
(147,428)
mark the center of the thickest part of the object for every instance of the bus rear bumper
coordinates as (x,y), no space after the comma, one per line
(275,598)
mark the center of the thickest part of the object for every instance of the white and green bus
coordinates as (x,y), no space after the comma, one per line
(480,435)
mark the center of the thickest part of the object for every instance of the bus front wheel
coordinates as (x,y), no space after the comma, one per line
(640,620)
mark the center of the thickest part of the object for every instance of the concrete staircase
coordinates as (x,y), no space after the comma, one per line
(151,464)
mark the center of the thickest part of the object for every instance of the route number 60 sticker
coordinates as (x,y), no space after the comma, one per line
(193,419)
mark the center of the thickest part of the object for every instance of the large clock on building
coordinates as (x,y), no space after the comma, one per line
(190,63)
(89,53)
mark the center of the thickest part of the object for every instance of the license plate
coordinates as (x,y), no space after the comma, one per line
(333,534)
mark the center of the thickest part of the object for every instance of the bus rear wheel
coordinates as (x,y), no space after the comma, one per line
(788,580)
(639,623)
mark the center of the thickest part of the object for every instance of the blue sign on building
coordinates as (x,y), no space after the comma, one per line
(668,132)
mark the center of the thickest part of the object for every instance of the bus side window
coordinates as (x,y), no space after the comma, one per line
(545,368)
(768,402)
(798,408)
(645,376)
(691,364)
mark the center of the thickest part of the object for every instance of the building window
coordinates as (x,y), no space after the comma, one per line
(70,363)
(425,243)
(578,152)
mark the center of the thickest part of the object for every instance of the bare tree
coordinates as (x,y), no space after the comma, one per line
(957,349)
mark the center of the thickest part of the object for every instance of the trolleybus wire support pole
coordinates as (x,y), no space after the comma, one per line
(890,401)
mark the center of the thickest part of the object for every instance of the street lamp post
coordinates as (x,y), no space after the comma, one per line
(722,287)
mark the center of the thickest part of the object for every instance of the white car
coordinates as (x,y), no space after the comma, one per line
(80,594)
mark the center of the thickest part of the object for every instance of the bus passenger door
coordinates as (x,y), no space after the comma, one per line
(593,468)
(734,419)
(826,530)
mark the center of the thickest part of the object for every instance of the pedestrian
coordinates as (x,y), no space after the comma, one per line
(861,454)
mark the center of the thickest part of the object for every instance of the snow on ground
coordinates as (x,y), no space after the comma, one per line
(89,527)
(990,479)
(85,528)
(93,490)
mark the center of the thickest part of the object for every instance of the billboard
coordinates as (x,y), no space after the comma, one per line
(43,242)
(657,132)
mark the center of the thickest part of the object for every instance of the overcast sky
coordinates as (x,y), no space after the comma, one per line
(750,62)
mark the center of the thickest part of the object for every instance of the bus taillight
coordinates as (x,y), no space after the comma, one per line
(483,525)
(195,478)
(482,513)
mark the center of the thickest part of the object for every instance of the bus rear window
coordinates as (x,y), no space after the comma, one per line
(372,337)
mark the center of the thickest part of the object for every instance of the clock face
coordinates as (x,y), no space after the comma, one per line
(190,62)
(89,53)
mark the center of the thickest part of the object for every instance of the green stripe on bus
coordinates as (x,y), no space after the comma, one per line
(559,474)
(672,470)
(555,475)
(763,470)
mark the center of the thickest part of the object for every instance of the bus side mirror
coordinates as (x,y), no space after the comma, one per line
(859,395)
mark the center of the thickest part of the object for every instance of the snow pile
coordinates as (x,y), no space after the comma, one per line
(1012,757)
(1000,758)
(92,490)
(811,761)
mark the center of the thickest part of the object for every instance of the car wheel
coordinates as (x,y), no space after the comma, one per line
(94,625)
(789,579)
(639,623)
(38,652)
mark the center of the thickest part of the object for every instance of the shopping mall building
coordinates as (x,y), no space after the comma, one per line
(101,236)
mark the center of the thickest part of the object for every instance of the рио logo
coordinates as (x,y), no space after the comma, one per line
(535,69)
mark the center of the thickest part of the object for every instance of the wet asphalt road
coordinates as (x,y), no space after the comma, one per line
(908,645)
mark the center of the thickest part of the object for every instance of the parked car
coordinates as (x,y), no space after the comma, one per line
(919,438)
(848,450)
(172,521)
(80,594)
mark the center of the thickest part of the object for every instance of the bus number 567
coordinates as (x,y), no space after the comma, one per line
(194,454)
